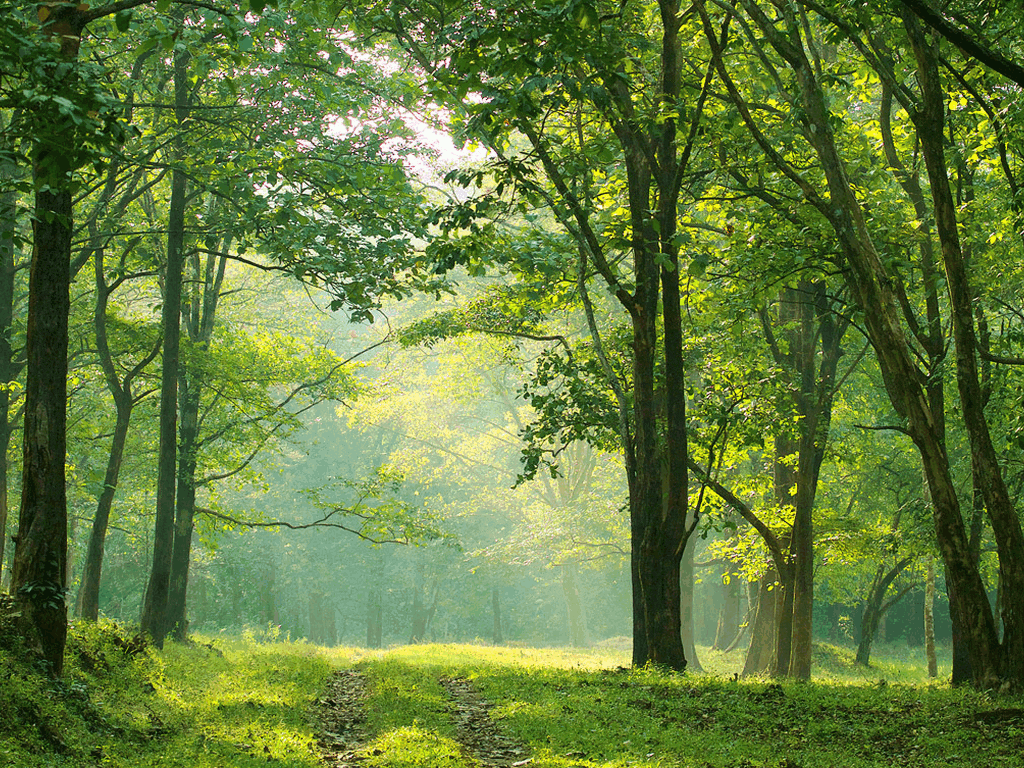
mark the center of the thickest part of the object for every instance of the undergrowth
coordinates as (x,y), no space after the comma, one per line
(121,703)
(246,702)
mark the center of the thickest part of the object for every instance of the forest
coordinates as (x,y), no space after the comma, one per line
(686,331)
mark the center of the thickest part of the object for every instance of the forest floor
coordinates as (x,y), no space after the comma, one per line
(343,738)
(249,702)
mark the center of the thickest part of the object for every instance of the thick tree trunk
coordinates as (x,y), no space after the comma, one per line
(39,568)
(1006,526)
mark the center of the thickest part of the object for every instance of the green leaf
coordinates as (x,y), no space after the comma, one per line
(163,5)
(123,20)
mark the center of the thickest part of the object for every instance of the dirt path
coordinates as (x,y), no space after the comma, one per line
(342,720)
(481,736)
(341,724)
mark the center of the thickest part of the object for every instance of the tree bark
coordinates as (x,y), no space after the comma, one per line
(39,568)
(872,290)
(9,367)
(155,618)
(185,505)
(154,612)
(686,578)
(929,619)
(729,613)
(764,625)
(40,559)
(930,122)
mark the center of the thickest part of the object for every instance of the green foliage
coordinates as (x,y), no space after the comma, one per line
(377,511)
(63,116)
(121,704)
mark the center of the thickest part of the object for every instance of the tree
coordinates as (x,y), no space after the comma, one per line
(792,37)
(564,91)
(71,119)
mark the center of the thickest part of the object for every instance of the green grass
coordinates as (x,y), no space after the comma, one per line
(226,704)
(582,710)
(240,703)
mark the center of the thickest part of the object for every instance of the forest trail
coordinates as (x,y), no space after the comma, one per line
(341,719)
(478,733)
(342,734)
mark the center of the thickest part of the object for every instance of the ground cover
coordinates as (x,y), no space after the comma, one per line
(586,711)
(215,703)
(245,702)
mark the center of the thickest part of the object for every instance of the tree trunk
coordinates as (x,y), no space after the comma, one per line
(578,635)
(686,577)
(315,610)
(929,619)
(374,616)
(729,613)
(39,569)
(40,558)
(267,595)
(875,608)
(185,505)
(761,651)
(496,635)
(88,605)
(155,618)
(154,611)
(1006,526)
(9,368)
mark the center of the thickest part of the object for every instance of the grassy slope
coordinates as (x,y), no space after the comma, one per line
(236,705)
(245,704)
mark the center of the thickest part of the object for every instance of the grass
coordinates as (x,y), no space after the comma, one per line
(582,710)
(227,704)
(240,703)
